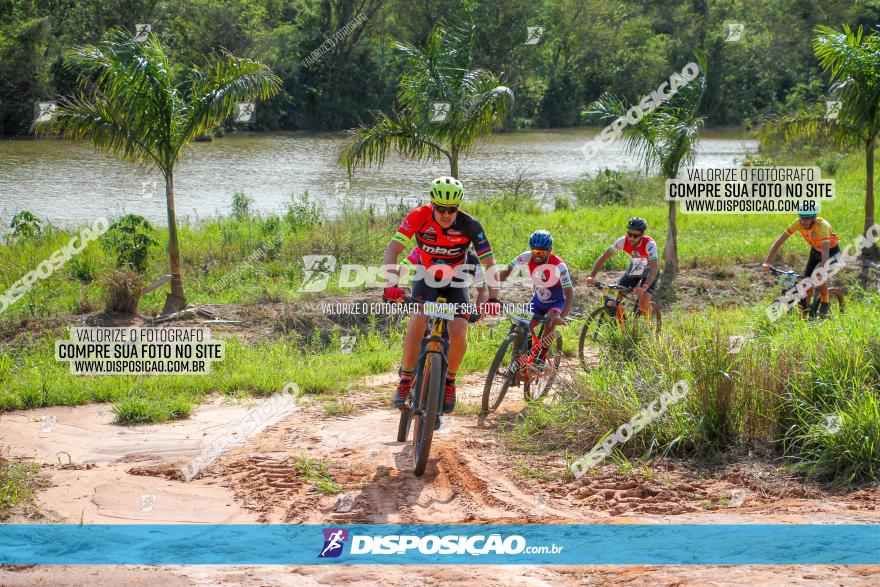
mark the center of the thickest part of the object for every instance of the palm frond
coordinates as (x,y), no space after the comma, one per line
(98,121)
(216,89)
(813,126)
(370,145)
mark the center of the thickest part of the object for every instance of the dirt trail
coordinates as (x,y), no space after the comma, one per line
(470,479)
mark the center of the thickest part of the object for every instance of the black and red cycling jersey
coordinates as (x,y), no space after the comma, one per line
(443,246)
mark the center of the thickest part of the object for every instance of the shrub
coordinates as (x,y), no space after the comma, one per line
(82,268)
(301,213)
(122,292)
(829,164)
(25,226)
(129,238)
(241,205)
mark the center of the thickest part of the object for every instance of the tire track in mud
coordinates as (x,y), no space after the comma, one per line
(469,479)
(465,479)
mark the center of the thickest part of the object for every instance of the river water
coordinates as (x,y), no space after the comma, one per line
(70,184)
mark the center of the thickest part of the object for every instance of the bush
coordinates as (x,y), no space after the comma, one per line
(829,164)
(25,226)
(83,268)
(122,292)
(301,213)
(611,187)
(129,239)
(241,205)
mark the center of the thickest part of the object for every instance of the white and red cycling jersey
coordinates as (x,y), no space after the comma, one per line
(640,255)
(548,278)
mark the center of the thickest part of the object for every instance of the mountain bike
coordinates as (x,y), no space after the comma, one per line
(613,308)
(425,402)
(525,358)
(789,279)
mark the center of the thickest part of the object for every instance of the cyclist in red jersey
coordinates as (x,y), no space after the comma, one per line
(443,234)
(644,265)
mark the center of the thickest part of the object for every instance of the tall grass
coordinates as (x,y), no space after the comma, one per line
(17,479)
(780,390)
(30,377)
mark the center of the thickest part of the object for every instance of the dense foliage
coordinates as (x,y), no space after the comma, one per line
(587,47)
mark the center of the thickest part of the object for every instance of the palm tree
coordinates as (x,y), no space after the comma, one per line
(854,64)
(666,138)
(439,72)
(143,109)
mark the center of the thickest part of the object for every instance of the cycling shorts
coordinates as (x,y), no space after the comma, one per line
(540,308)
(816,258)
(634,280)
(454,293)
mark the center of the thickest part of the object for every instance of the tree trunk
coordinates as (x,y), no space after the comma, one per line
(870,253)
(453,164)
(869,189)
(670,250)
(177,300)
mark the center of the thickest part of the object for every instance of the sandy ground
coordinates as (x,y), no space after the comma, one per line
(470,479)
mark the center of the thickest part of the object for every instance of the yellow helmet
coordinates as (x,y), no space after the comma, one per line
(446,191)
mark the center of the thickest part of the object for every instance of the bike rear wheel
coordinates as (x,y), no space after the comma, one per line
(599,318)
(656,318)
(837,304)
(500,375)
(535,389)
(840,306)
(425,411)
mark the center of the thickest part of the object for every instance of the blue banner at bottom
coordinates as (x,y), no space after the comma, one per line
(307,544)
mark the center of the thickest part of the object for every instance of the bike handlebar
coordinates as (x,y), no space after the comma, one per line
(472,318)
(780,272)
(614,286)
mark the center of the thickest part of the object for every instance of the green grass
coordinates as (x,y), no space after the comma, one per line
(32,378)
(780,389)
(17,480)
(315,471)
(215,253)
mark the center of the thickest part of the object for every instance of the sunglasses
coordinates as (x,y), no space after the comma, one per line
(445,209)
(634,234)
(540,252)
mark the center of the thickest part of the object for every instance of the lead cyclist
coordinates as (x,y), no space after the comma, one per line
(443,233)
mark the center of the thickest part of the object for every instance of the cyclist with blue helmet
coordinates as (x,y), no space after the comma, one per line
(554,294)
(817,232)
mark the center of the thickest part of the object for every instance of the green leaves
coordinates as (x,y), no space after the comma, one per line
(130,238)
(136,104)
(438,72)
(25,226)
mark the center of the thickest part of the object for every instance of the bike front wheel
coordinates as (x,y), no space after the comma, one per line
(425,411)
(599,319)
(501,375)
(403,425)
(541,379)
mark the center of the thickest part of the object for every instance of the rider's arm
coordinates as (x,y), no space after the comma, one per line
(486,256)
(653,270)
(775,247)
(392,253)
(489,264)
(600,262)
(825,252)
(569,301)
(505,273)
